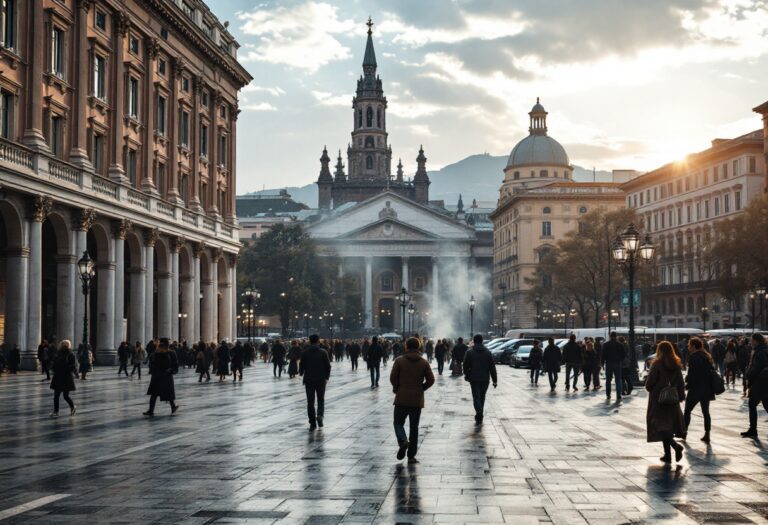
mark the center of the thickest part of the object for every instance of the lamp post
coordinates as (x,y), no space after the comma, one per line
(573,319)
(182,315)
(502,308)
(752,317)
(306,324)
(87,270)
(760,291)
(537,301)
(404,297)
(411,311)
(472,304)
(629,251)
(250,294)
(704,317)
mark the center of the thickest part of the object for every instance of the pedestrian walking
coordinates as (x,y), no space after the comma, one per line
(123,354)
(535,358)
(551,359)
(717,354)
(628,367)
(375,355)
(731,363)
(458,354)
(757,381)
(440,351)
(222,361)
(14,359)
(664,419)
(315,368)
(410,377)
(278,358)
(596,370)
(430,349)
(139,355)
(237,355)
(84,357)
(64,372)
(202,364)
(698,382)
(613,356)
(590,363)
(354,353)
(163,365)
(479,370)
(744,355)
(573,359)
(42,357)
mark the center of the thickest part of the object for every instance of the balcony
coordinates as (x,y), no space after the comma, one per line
(121,197)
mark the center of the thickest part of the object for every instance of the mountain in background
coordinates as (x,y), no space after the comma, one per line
(475,177)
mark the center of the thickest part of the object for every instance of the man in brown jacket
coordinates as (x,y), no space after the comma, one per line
(411,375)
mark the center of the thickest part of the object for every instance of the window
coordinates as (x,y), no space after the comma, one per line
(133,97)
(687,184)
(99,77)
(706,177)
(688,213)
(735,172)
(752,165)
(516,175)
(706,209)
(641,198)
(387,284)
(369,117)
(204,195)
(8,23)
(716,174)
(418,283)
(133,45)
(655,193)
(6,114)
(185,84)
(369,142)
(222,150)
(727,203)
(184,188)
(717,206)
(184,131)
(582,227)
(188,10)
(546,281)
(378,118)
(679,215)
(369,162)
(130,165)
(737,200)
(161,115)
(163,33)
(546,229)
(208,29)
(725,171)
(223,111)
(56,139)
(97,152)
(204,140)
(57,52)
(161,66)
(204,99)
(546,210)
(101,20)
(160,178)
(679,187)
(543,173)
(359,118)
(698,211)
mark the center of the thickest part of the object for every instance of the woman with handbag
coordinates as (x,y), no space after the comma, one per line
(698,381)
(664,419)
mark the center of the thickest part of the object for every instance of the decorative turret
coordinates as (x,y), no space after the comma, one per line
(538,119)
(324,181)
(339,173)
(460,205)
(399,170)
(421,179)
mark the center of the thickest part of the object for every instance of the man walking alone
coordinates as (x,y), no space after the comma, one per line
(375,355)
(613,355)
(478,368)
(315,368)
(411,376)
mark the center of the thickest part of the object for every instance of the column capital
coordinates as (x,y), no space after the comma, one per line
(197,249)
(122,23)
(178,66)
(16,252)
(39,208)
(152,47)
(84,220)
(233,258)
(177,243)
(85,5)
(106,265)
(151,236)
(217,254)
(120,228)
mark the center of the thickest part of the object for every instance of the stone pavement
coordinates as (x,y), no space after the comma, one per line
(242,454)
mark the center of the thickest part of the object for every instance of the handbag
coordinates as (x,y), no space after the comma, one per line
(668,395)
(718,385)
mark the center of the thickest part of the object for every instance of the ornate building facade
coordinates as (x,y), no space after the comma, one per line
(369,155)
(538,204)
(117,137)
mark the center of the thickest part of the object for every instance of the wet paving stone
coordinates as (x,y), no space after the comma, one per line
(242,453)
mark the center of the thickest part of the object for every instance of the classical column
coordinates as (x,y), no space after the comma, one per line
(206,310)
(225,320)
(405,277)
(119,231)
(40,207)
(174,117)
(81,223)
(188,308)
(176,245)
(213,160)
(164,323)
(17,263)
(435,288)
(233,298)
(214,304)
(79,152)
(150,238)
(116,171)
(148,184)
(194,200)
(136,327)
(194,314)
(66,273)
(231,193)
(33,132)
(106,351)
(369,292)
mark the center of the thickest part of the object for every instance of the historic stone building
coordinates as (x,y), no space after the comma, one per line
(538,204)
(369,156)
(680,204)
(117,137)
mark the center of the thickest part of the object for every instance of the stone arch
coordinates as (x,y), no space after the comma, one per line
(12,263)
(134,286)
(59,223)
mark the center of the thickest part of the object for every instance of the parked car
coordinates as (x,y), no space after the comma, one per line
(520,358)
(502,354)
(493,343)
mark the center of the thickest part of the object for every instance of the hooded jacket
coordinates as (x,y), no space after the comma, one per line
(411,375)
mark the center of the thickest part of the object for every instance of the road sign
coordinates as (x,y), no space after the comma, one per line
(625,298)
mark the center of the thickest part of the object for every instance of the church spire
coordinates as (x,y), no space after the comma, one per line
(325,172)
(369,59)
(399,170)
(339,173)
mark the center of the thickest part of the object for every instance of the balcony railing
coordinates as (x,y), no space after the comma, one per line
(17,158)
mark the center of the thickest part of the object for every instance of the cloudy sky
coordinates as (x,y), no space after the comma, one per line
(627,83)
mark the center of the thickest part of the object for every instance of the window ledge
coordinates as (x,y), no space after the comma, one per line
(98,103)
(132,122)
(11,55)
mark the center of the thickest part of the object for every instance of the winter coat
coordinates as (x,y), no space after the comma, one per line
(459,351)
(572,353)
(411,375)
(138,356)
(536,357)
(664,418)
(699,377)
(552,358)
(375,354)
(613,352)
(354,351)
(744,353)
(758,384)
(202,363)
(315,366)
(237,357)
(222,360)
(278,353)
(718,353)
(591,361)
(64,368)
(162,366)
(479,365)
(439,351)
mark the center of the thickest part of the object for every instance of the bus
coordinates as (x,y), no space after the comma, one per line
(643,334)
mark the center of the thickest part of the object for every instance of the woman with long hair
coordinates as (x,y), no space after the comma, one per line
(731,362)
(664,419)
(64,372)
(698,381)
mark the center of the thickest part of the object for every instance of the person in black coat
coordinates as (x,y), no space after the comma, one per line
(294,354)
(354,353)
(613,356)
(479,370)
(64,368)
(237,355)
(163,365)
(743,355)
(315,368)
(698,382)
(375,355)
(440,351)
(535,359)
(457,354)
(222,361)
(552,359)
(42,356)
(123,353)
(573,360)
(757,381)
(278,358)
(591,361)
(14,359)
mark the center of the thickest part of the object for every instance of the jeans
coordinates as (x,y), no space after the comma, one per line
(753,411)
(354,363)
(440,365)
(613,370)
(413,414)
(56,394)
(535,375)
(586,373)
(569,367)
(596,377)
(479,390)
(123,368)
(375,373)
(552,379)
(315,390)
(137,368)
(721,367)
(277,368)
(205,373)
(690,403)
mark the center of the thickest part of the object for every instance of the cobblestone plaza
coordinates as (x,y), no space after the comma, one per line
(241,453)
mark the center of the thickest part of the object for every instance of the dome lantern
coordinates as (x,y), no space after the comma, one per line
(538,119)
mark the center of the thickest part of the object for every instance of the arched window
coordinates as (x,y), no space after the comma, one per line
(546,210)
(369,142)
(359,118)
(387,282)
(369,117)
(543,173)
(517,175)
(378,118)
(369,162)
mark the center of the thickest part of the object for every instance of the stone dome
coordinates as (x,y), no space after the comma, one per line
(539,150)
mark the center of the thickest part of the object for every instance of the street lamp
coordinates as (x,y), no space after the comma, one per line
(752,317)
(250,295)
(537,301)
(573,319)
(404,297)
(629,251)
(472,303)
(760,291)
(502,308)
(411,310)
(182,315)
(87,269)
(704,317)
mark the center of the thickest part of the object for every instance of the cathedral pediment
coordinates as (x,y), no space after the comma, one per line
(388,229)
